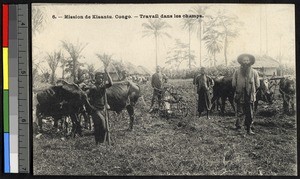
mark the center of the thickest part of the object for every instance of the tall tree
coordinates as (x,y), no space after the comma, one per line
(53,60)
(38,19)
(213,43)
(38,22)
(188,24)
(180,53)
(63,66)
(105,58)
(228,27)
(74,51)
(200,10)
(155,27)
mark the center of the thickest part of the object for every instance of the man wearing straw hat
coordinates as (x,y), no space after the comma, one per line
(97,99)
(245,82)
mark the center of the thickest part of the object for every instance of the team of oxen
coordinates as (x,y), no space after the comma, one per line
(223,90)
(68,100)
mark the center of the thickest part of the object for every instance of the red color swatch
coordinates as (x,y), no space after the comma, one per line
(5,25)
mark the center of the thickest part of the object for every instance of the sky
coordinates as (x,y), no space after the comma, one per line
(267,29)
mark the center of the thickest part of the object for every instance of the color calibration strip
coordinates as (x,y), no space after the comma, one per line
(15,88)
(5,16)
(23,87)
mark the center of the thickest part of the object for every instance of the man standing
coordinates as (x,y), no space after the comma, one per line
(245,82)
(204,86)
(96,95)
(156,82)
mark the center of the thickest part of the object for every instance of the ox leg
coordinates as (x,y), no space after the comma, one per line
(285,105)
(40,124)
(55,120)
(87,122)
(231,100)
(213,106)
(292,102)
(223,104)
(61,123)
(214,102)
(77,125)
(219,104)
(130,111)
(73,130)
(66,125)
(39,119)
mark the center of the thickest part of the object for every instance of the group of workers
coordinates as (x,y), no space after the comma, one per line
(245,83)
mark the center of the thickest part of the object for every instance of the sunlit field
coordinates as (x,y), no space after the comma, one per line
(175,146)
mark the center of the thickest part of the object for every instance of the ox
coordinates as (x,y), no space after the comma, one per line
(264,93)
(68,100)
(63,100)
(223,89)
(123,95)
(287,88)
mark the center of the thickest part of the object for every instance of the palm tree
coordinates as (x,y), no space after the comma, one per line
(188,24)
(38,19)
(179,54)
(105,58)
(200,10)
(74,52)
(229,24)
(63,62)
(53,60)
(212,42)
(155,28)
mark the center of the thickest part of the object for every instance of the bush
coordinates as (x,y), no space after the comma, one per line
(220,70)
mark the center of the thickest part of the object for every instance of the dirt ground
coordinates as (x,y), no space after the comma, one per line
(175,146)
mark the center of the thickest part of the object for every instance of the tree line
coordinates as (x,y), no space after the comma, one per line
(215,29)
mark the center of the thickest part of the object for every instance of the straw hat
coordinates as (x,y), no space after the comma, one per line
(241,57)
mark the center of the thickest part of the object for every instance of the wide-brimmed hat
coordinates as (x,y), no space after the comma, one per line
(251,58)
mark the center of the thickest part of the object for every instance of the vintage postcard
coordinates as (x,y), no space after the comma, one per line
(164,89)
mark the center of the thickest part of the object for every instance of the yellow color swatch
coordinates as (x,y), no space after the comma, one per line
(5,68)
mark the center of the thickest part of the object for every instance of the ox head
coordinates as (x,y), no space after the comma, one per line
(74,94)
(266,91)
(290,85)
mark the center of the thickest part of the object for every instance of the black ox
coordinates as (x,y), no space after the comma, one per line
(223,90)
(123,95)
(62,100)
(68,100)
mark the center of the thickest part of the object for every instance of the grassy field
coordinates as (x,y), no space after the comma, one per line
(188,146)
